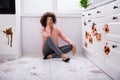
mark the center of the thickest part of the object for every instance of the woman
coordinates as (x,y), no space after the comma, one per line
(50,35)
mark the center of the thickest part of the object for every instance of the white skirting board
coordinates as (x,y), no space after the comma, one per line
(7,57)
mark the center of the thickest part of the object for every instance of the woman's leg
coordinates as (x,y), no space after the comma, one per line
(50,47)
(65,49)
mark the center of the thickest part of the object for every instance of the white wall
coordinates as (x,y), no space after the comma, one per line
(32,7)
(36,6)
(31,38)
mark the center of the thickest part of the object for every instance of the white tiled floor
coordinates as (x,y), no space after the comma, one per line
(35,68)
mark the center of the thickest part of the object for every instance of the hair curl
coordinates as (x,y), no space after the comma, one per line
(45,16)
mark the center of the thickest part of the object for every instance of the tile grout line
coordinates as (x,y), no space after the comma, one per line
(50,70)
(27,70)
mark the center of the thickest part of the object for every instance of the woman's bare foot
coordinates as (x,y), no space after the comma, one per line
(65,59)
(49,56)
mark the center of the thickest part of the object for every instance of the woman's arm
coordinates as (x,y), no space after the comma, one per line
(66,39)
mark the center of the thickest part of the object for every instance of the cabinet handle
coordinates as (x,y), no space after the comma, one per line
(89,20)
(93,24)
(98,12)
(114,18)
(89,14)
(115,7)
(83,15)
(114,46)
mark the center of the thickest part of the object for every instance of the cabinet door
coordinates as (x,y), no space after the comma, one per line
(8,34)
(114,55)
(100,11)
(114,29)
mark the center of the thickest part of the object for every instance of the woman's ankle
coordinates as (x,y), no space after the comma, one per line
(63,57)
(49,56)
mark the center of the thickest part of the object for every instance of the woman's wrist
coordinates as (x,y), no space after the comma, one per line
(72,44)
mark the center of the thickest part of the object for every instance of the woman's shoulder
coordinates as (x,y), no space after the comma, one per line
(57,28)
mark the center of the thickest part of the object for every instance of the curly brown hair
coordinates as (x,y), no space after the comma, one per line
(45,16)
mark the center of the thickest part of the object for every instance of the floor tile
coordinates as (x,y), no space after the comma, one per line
(35,68)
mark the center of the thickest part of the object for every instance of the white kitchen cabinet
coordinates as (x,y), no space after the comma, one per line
(10,34)
(101,37)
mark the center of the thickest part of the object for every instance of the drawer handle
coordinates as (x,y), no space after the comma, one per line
(83,15)
(89,14)
(89,20)
(115,7)
(98,12)
(114,46)
(114,18)
(93,24)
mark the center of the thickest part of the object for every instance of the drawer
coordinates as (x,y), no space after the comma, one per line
(115,38)
(113,8)
(112,18)
(83,15)
(114,54)
(100,11)
(108,19)
(114,46)
(89,14)
(87,22)
(99,20)
(114,29)
(86,14)
(114,32)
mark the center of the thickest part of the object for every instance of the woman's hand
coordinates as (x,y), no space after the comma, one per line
(73,49)
(49,21)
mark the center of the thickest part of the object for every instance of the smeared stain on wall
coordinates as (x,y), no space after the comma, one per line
(85,44)
(94,30)
(9,34)
(39,75)
(8,70)
(32,68)
(85,23)
(86,35)
(89,37)
(106,28)
(21,62)
(98,36)
(106,49)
